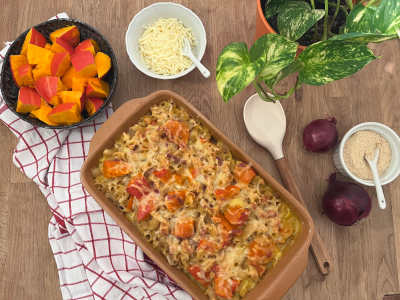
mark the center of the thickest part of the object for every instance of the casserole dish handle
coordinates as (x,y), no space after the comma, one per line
(119,116)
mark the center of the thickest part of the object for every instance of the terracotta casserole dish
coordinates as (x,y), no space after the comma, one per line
(277,281)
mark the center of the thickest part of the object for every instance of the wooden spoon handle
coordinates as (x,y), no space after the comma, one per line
(318,248)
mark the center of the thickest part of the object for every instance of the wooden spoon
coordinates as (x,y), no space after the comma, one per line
(266,124)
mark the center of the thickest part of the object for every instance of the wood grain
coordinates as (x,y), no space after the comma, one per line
(366,257)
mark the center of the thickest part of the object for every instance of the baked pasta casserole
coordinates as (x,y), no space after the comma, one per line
(209,214)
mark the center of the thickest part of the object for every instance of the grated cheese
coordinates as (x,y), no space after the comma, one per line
(161,46)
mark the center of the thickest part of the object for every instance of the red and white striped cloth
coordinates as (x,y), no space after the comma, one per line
(95,258)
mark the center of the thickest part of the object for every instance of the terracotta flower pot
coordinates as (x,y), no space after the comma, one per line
(263,27)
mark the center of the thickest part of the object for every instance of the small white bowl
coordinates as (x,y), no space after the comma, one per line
(151,14)
(394,141)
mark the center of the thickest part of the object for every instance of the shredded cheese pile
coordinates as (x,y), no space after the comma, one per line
(161,46)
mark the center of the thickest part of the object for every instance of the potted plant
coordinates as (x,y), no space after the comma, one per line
(334,50)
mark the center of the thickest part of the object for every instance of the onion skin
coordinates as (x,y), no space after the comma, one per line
(345,203)
(320,135)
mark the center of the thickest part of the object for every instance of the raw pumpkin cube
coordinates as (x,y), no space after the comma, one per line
(33,37)
(83,62)
(65,113)
(48,87)
(92,105)
(79,84)
(69,34)
(67,78)
(97,88)
(88,45)
(25,75)
(103,63)
(16,61)
(60,64)
(42,113)
(37,55)
(28,100)
(73,97)
(61,45)
(41,70)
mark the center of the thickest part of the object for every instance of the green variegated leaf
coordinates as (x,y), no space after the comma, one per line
(235,71)
(383,19)
(330,60)
(273,7)
(361,37)
(296,18)
(273,52)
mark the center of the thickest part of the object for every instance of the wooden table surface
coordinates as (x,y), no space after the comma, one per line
(366,256)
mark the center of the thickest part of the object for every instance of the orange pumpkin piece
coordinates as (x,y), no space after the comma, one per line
(25,75)
(261,251)
(88,45)
(145,207)
(97,88)
(17,61)
(208,246)
(28,100)
(48,87)
(79,84)
(226,230)
(60,63)
(68,76)
(103,64)
(176,132)
(129,206)
(42,113)
(175,200)
(38,55)
(65,113)
(115,168)
(83,62)
(47,46)
(69,34)
(227,193)
(60,45)
(184,228)
(33,37)
(93,105)
(164,175)
(244,173)
(200,275)
(73,97)
(225,287)
(236,214)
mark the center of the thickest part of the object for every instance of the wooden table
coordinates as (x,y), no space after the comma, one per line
(366,256)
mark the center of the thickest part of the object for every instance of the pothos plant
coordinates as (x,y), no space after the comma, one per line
(273,56)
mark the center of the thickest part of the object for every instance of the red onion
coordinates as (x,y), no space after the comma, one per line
(345,203)
(320,135)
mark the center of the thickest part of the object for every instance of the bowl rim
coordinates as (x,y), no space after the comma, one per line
(146,71)
(107,101)
(359,127)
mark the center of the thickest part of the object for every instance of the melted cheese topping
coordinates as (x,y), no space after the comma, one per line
(210,248)
(161,46)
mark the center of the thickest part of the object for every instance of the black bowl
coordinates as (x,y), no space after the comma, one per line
(10,89)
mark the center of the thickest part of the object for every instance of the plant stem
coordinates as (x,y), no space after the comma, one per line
(342,7)
(335,14)
(325,32)
(349,4)
(312,4)
(262,93)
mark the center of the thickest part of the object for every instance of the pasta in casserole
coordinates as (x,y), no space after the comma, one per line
(209,214)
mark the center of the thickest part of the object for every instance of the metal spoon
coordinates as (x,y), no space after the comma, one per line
(266,124)
(187,51)
(374,169)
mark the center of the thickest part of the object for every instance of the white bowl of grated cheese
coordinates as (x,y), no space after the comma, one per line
(148,51)
(391,172)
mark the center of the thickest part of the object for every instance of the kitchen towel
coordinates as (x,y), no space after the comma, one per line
(95,258)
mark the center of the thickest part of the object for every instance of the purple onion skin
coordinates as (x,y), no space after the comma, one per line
(345,203)
(320,135)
